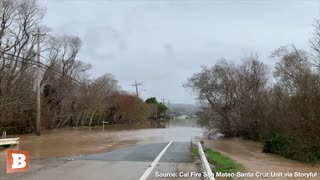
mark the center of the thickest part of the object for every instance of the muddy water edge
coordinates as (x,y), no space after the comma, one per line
(82,141)
(250,155)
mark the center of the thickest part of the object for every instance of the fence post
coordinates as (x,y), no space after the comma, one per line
(4,134)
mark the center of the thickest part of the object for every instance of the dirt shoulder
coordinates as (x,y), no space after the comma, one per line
(250,155)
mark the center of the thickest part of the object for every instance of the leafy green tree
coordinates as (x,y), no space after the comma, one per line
(152,100)
(161,107)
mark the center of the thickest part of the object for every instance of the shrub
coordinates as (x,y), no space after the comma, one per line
(287,147)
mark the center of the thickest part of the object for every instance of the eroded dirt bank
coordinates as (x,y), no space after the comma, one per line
(250,155)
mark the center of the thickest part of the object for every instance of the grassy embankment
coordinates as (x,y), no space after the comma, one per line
(221,162)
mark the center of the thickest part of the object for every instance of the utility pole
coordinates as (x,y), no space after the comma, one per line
(136,85)
(163,101)
(38,81)
(168,111)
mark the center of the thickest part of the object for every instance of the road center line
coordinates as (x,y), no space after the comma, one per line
(154,163)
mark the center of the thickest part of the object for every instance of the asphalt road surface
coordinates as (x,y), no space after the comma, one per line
(125,164)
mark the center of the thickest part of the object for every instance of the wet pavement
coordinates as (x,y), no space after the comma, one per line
(142,153)
(83,141)
(125,164)
(93,153)
(177,152)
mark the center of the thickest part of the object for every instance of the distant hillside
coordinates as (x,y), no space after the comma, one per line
(184,108)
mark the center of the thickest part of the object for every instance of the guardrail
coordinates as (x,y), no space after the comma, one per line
(204,162)
(10,141)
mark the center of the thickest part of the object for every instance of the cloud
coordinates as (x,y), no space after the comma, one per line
(162,43)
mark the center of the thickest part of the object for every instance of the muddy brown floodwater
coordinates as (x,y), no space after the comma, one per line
(84,141)
(250,155)
(81,141)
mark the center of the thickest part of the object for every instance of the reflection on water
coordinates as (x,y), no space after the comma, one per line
(78,141)
(192,122)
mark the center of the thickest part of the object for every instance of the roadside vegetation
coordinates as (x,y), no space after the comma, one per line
(69,97)
(220,162)
(281,109)
(194,152)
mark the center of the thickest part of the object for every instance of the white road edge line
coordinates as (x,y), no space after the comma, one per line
(154,163)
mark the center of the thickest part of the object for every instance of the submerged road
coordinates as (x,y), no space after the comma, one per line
(130,163)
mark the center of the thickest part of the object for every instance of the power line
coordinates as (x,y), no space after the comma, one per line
(40,64)
(38,80)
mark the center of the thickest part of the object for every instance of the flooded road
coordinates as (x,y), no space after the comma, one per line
(106,153)
(80,141)
(85,141)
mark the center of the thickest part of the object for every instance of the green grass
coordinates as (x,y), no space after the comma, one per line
(194,152)
(222,163)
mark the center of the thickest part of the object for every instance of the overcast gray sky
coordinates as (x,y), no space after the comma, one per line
(161,43)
